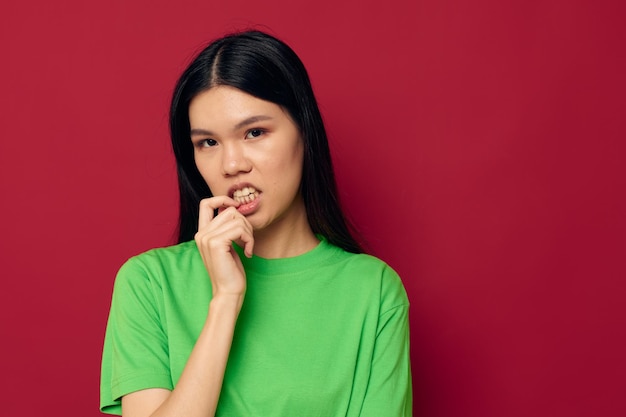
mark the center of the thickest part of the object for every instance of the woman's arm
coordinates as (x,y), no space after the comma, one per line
(389,387)
(198,389)
(389,391)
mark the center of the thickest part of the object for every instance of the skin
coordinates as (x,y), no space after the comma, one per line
(238,139)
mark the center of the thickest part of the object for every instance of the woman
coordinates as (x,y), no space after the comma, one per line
(266,307)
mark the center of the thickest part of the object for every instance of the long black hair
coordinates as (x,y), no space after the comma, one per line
(264,67)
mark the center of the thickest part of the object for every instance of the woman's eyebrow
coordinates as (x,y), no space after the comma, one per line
(245,122)
(251,120)
(200,132)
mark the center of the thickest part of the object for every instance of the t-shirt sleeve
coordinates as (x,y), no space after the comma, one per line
(389,391)
(135,354)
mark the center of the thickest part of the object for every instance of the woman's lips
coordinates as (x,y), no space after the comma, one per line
(247,208)
(247,196)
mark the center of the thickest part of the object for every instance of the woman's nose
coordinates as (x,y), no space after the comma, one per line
(234,160)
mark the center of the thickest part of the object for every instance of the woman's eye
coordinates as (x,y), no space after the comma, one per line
(254,133)
(208,143)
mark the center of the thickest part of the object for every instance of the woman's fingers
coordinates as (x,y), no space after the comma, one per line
(228,226)
(208,207)
(247,242)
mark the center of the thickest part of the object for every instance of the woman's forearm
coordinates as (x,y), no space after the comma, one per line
(198,389)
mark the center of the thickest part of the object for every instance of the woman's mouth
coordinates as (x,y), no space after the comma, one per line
(245,195)
(248,199)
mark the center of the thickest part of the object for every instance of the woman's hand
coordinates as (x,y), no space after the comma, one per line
(214,240)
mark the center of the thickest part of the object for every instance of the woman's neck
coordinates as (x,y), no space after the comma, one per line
(285,240)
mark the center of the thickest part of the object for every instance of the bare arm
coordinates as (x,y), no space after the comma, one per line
(198,389)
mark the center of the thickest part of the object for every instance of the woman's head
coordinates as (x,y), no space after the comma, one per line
(264,67)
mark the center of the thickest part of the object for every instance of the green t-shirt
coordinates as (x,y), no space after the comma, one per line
(321,334)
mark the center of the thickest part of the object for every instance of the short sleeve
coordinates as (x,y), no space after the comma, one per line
(389,389)
(135,354)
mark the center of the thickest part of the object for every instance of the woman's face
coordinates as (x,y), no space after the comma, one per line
(251,150)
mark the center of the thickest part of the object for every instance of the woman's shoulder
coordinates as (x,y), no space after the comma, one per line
(365,269)
(160,262)
(366,262)
(164,254)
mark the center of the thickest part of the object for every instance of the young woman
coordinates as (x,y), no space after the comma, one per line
(266,307)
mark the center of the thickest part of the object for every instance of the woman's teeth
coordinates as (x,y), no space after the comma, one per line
(245,195)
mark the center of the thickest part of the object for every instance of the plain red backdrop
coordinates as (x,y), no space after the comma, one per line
(479,146)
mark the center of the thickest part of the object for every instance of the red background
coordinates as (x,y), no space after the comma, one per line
(479,145)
